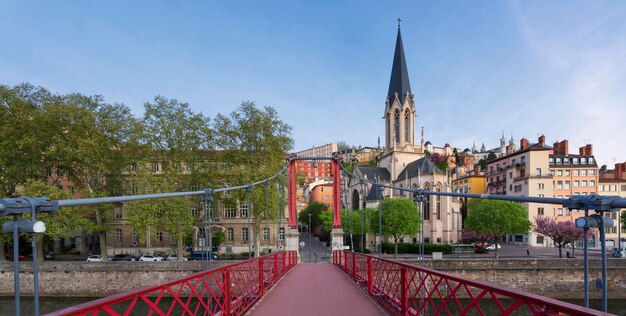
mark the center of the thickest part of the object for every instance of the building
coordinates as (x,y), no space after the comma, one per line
(405,164)
(475,184)
(613,182)
(322,193)
(326,150)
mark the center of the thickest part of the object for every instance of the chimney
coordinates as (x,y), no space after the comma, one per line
(582,151)
(523,143)
(589,149)
(542,140)
(619,169)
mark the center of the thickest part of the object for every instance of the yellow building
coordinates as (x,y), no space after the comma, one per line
(470,184)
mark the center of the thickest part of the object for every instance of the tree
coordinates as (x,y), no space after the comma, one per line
(399,218)
(218,238)
(623,219)
(497,219)
(562,233)
(253,144)
(341,145)
(315,209)
(355,221)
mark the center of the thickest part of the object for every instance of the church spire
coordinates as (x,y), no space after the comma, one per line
(399,82)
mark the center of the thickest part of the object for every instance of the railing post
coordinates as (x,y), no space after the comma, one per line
(404,298)
(369,276)
(284,264)
(354,266)
(227,300)
(276,274)
(261,278)
(345,261)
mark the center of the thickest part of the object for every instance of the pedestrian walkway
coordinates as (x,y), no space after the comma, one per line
(316,289)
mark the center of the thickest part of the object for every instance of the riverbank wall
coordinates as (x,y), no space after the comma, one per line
(556,278)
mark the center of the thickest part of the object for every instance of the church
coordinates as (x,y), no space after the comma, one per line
(405,164)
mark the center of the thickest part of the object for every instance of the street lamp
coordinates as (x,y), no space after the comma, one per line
(310,237)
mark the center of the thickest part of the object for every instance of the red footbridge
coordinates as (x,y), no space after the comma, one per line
(354,284)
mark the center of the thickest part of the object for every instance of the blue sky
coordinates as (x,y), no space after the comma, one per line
(477,68)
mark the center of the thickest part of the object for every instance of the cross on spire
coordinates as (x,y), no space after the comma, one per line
(399,20)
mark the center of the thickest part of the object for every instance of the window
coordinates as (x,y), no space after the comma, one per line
(567,185)
(510,175)
(266,233)
(592,172)
(559,185)
(539,195)
(623,187)
(550,160)
(133,167)
(592,183)
(230,234)
(583,183)
(159,236)
(156,167)
(118,235)
(397,125)
(195,213)
(243,210)
(552,173)
(133,188)
(559,173)
(406,126)
(438,204)
(244,235)
(559,211)
(118,211)
(567,172)
(590,160)
(613,187)
(540,240)
(135,237)
(576,173)
(427,207)
(583,160)
(600,188)
(281,233)
(565,160)
(540,186)
(229,211)
(558,161)
(583,172)
(538,172)
(540,211)
(576,183)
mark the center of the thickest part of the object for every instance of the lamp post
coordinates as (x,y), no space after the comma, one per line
(310,237)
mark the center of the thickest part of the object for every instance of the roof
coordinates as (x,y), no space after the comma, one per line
(374,194)
(399,82)
(372,173)
(420,166)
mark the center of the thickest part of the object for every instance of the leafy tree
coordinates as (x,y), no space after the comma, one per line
(253,142)
(623,220)
(497,219)
(218,238)
(343,145)
(399,218)
(315,209)
(358,218)
(562,233)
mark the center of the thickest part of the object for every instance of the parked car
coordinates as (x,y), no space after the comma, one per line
(94,258)
(123,257)
(49,256)
(19,257)
(150,258)
(201,255)
(481,244)
(173,258)
(493,247)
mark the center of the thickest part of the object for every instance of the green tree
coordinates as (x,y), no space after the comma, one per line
(253,144)
(358,218)
(341,145)
(315,209)
(218,238)
(497,219)
(399,218)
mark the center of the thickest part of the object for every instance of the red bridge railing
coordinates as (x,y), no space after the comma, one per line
(411,290)
(228,290)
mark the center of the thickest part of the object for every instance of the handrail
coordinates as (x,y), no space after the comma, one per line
(405,289)
(227,290)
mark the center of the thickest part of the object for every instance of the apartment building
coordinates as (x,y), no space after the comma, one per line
(326,150)
(613,182)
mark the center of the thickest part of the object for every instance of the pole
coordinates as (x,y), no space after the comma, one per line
(16,267)
(310,237)
(248,191)
(267,218)
(585,262)
(603,249)
(380,221)
(35,265)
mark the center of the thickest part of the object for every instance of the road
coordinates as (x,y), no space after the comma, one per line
(313,251)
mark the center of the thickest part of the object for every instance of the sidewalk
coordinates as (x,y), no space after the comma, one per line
(316,289)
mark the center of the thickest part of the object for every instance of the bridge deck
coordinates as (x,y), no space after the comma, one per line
(316,289)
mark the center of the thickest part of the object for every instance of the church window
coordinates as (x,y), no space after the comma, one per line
(438,204)
(397,126)
(407,125)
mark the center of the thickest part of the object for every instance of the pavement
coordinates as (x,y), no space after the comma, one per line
(316,289)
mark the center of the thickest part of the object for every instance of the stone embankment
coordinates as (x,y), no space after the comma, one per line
(556,278)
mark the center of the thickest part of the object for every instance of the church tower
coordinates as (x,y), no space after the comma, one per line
(400,104)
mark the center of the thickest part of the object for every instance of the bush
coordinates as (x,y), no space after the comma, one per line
(404,248)
(481,250)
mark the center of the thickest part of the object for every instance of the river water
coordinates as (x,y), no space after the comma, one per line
(51,304)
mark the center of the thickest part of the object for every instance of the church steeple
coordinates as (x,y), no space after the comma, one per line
(400,105)
(399,82)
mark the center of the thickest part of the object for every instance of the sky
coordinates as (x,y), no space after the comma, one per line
(478,69)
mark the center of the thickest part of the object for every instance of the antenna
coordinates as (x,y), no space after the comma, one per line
(587,141)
